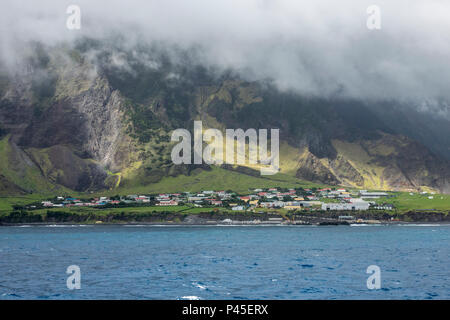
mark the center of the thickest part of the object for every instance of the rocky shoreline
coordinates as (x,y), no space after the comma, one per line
(248,224)
(199,220)
(319,218)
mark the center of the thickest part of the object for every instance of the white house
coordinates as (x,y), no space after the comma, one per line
(372,195)
(360,205)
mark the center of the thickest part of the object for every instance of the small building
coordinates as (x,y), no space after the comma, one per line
(273,204)
(360,205)
(193,199)
(167,203)
(144,199)
(372,195)
(383,206)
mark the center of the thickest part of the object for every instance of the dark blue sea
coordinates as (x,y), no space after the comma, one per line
(229,262)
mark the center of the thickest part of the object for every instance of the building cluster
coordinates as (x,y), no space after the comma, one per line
(326,199)
(74,202)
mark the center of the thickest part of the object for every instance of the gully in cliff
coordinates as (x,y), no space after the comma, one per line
(213,153)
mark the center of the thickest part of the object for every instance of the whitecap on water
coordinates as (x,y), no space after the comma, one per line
(190,298)
(200,286)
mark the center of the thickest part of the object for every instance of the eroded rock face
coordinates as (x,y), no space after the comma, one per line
(100,121)
(391,162)
(90,121)
(312,169)
(81,119)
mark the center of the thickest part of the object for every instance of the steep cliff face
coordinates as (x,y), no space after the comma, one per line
(69,121)
(84,112)
(71,115)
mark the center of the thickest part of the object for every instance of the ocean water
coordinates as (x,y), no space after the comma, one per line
(229,262)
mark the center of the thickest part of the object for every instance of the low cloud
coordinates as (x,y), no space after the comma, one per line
(317,48)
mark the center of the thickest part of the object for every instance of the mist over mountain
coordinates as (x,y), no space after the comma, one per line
(322,48)
(93,109)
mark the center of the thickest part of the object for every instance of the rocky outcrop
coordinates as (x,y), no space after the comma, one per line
(312,169)
(391,162)
(80,125)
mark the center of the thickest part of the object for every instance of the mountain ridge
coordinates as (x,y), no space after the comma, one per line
(90,127)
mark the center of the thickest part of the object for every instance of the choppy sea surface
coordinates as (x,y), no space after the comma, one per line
(229,262)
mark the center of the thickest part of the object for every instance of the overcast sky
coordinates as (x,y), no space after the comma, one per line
(319,47)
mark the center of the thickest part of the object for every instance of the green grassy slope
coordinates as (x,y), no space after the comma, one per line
(404,201)
(17,169)
(216,179)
